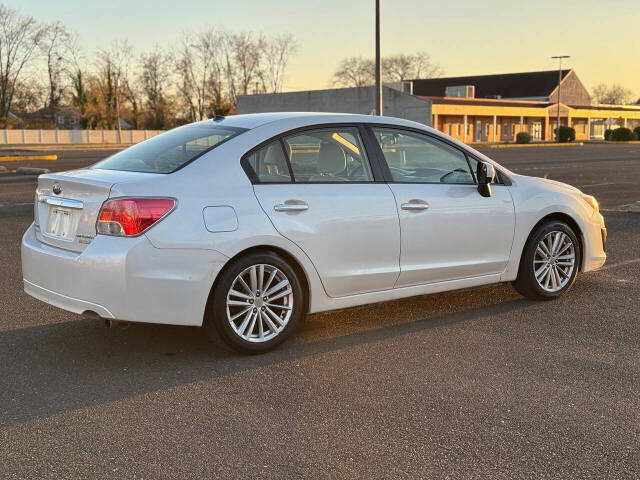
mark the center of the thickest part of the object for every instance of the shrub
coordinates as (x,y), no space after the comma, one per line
(567,134)
(523,137)
(637,132)
(607,134)
(621,134)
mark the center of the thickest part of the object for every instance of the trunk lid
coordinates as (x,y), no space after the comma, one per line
(67,204)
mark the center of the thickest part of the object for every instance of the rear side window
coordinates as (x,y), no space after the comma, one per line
(169,151)
(269,164)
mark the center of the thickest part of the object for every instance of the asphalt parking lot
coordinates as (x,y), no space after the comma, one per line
(469,384)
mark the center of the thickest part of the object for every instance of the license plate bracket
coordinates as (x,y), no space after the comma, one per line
(60,223)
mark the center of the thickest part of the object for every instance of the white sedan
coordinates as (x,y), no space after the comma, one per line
(244,224)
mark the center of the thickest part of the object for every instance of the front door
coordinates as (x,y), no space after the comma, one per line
(536,131)
(321,195)
(448,230)
(478,131)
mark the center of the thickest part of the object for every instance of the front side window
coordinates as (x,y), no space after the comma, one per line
(169,151)
(328,155)
(416,158)
(270,164)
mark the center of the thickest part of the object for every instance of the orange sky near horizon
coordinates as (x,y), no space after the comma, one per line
(465,37)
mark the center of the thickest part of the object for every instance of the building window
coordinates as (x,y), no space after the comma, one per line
(468,129)
(513,129)
(450,129)
(487,125)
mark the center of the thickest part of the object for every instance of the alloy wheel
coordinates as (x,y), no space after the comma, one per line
(259,303)
(554,261)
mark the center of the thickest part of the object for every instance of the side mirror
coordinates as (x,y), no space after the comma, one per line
(485,174)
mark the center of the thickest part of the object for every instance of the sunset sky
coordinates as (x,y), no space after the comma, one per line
(465,37)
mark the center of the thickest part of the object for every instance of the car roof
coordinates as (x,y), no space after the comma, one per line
(254,120)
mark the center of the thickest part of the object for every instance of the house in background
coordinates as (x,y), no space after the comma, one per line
(61,118)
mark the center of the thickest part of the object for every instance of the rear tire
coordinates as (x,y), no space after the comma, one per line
(550,262)
(257,303)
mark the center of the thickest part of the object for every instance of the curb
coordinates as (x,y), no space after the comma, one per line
(64,146)
(526,145)
(20,158)
(31,171)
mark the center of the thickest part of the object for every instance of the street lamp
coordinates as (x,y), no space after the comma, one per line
(559,57)
(378,63)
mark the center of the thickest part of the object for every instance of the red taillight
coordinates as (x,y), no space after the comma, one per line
(132,216)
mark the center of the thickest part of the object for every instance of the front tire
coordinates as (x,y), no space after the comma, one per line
(257,303)
(549,263)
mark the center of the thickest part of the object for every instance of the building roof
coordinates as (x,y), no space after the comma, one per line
(489,102)
(632,108)
(506,85)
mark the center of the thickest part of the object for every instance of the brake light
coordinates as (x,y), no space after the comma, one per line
(131,216)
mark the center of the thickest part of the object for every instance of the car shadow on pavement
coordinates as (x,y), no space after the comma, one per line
(61,367)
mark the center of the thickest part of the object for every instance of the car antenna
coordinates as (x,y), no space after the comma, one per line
(218,118)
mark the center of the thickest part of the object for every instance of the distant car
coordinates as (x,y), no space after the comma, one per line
(244,224)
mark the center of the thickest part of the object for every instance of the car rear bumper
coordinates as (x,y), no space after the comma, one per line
(122,278)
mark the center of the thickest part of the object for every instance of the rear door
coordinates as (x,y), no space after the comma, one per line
(449,231)
(319,190)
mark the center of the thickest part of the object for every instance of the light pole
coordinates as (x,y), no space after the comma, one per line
(116,85)
(378,63)
(559,57)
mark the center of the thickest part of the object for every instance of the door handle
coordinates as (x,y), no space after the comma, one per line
(415,205)
(291,207)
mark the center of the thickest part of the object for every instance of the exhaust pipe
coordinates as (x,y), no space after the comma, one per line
(109,323)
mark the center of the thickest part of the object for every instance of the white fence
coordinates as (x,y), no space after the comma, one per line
(69,137)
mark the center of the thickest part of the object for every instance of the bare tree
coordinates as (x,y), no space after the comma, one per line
(19,38)
(247,54)
(155,77)
(398,68)
(276,53)
(359,72)
(354,72)
(29,96)
(113,77)
(201,73)
(76,72)
(611,95)
(54,46)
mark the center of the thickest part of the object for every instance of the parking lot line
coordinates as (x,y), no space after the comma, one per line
(20,158)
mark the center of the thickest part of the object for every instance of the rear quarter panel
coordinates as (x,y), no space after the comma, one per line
(217,179)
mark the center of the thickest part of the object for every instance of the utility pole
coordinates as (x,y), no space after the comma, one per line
(116,85)
(378,63)
(559,57)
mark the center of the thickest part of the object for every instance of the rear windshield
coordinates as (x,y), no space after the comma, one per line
(169,151)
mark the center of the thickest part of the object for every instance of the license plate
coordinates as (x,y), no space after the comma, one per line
(59,224)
